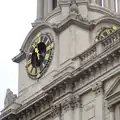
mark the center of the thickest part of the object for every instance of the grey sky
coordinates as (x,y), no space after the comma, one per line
(16,17)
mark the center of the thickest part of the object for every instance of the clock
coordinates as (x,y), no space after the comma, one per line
(40,55)
(105,31)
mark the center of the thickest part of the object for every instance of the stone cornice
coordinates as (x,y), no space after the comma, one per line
(97,8)
(21,56)
(10,112)
(31,102)
(113,99)
(113,87)
(59,78)
(104,19)
(98,57)
(71,20)
(111,96)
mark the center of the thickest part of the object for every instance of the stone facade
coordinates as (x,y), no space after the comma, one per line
(83,80)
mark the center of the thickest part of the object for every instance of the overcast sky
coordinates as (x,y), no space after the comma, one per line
(16,17)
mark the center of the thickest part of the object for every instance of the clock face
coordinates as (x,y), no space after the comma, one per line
(40,55)
(105,32)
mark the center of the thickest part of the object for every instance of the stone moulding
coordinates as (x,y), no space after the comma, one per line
(58,28)
(97,58)
(101,57)
(112,96)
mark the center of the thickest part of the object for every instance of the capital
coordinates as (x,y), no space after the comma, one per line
(97,88)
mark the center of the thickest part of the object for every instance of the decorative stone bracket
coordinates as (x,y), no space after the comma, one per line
(77,102)
(55,111)
(67,105)
(97,88)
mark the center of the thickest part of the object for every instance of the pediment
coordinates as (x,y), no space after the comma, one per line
(114,89)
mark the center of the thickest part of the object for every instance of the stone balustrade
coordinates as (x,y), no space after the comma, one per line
(87,55)
(100,46)
(112,39)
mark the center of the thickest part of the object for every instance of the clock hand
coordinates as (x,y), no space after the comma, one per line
(38,54)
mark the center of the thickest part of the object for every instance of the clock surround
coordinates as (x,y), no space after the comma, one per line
(40,55)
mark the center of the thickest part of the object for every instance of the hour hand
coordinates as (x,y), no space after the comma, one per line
(38,54)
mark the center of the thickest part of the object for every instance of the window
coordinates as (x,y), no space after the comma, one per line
(54,4)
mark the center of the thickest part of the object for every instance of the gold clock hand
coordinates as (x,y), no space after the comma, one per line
(38,54)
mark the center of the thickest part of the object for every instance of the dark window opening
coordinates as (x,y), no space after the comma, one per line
(54,4)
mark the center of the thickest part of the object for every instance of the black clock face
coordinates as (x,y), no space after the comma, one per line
(40,55)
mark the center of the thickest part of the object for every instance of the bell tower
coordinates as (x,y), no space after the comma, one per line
(68,63)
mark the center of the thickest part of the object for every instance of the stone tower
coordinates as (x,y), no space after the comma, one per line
(69,63)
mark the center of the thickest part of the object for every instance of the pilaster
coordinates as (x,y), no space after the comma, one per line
(40,9)
(55,112)
(118,6)
(67,109)
(50,6)
(106,3)
(46,7)
(58,2)
(111,114)
(77,108)
(99,2)
(98,90)
(112,5)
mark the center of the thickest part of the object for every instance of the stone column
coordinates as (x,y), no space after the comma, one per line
(112,5)
(119,6)
(99,103)
(93,2)
(58,1)
(106,3)
(111,114)
(99,2)
(77,109)
(40,9)
(50,6)
(67,109)
(45,8)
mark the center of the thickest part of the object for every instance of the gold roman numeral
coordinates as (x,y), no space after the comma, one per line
(33,71)
(30,68)
(46,41)
(29,62)
(47,56)
(50,46)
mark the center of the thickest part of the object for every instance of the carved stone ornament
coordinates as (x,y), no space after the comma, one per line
(10,98)
(55,111)
(98,88)
(111,108)
(76,102)
(67,105)
(73,7)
